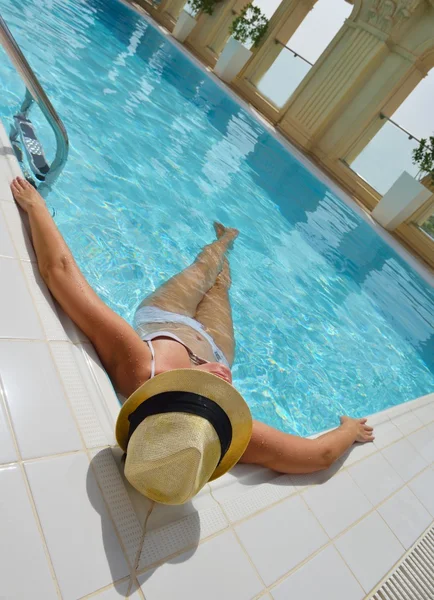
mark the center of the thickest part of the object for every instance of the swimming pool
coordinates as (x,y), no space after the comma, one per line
(329,319)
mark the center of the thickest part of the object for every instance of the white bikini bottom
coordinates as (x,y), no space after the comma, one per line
(151,314)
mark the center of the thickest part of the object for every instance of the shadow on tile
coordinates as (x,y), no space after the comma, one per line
(357,452)
(94,495)
(153,547)
(149,532)
(154,515)
(253,475)
(317,477)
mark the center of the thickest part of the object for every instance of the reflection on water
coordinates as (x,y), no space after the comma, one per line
(329,320)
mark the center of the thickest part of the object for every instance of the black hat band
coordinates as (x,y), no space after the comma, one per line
(185,402)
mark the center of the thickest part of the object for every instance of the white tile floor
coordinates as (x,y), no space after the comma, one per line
(25,569)
(318,579)
(370,549)
(72,528)
(277,544)
(76,524)
(406,516)
(337,503)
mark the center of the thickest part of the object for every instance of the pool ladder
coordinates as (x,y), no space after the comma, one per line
(24,139)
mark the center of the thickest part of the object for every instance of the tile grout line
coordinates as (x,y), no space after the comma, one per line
(139,588)
(300,492)
(16,339)
(97,389)
(26,282)
(140,548)
(109,586)
(308,558)
(94,378)
(341,534)
(69,403)
(191,546)
(106,504)
(13,238)
(379,584)
(29,260)
(87,451)
(239,541)
(49,456)
(397,562)
(296,492)
(381,517)
(343,469)
(28,490)
(331,541)
(298,566)
(53,310)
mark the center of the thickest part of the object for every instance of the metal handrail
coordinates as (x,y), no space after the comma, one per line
(38,95)
(296,54)
(410,135)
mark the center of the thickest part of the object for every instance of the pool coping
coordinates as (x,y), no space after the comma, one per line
(227,512)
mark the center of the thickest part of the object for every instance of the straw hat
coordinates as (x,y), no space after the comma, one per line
(180,430)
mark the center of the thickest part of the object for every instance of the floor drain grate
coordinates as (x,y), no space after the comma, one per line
(413,579)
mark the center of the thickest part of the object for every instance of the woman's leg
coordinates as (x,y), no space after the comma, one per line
(183,292)
(215,314)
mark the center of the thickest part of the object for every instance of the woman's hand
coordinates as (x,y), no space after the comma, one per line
(25,194)
(362,431)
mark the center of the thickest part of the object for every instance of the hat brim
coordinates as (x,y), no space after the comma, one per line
(204,384)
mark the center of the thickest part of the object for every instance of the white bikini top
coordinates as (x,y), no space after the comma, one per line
(194,358)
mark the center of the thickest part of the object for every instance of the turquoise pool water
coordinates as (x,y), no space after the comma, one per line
(329,319)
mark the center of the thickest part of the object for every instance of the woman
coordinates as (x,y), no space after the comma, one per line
(183,423)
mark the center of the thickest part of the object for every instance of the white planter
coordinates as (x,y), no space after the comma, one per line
(232,60)
(398,204)
(184,26)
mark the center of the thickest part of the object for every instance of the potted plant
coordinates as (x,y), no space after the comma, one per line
(408,193)
(247,30)
(423,157)
(187,19)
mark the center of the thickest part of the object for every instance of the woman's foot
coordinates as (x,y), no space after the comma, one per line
(222,231)
(25,194)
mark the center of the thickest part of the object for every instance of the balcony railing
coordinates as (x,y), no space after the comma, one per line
(284,76)
(387,155)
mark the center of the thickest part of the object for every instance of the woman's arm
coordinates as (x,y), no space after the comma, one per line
(291,454)
(123,354)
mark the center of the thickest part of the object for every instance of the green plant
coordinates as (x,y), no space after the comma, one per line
(423,157)
(250,25)
(206,6)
